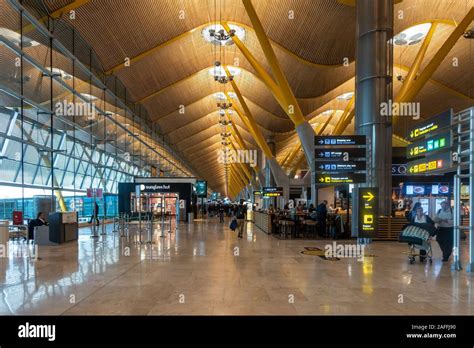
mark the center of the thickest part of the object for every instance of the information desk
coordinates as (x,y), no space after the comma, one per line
(263,221)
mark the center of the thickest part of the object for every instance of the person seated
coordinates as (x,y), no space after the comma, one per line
(39,221)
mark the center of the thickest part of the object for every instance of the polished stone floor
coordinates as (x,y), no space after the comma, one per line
(204,269)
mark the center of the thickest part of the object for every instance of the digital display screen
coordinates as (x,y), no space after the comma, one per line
(434,189)
(415,190)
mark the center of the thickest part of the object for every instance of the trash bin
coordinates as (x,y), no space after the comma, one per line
(4,234)
(190,218)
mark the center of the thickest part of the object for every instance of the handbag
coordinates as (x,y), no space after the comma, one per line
(233,225)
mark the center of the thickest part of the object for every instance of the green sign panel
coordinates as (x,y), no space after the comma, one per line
(430,145)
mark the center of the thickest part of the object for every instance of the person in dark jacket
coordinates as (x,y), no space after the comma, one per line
(240,215)
(445,233)
(412,213)
(322,211)
(95,214)
(221,212)
(39,221)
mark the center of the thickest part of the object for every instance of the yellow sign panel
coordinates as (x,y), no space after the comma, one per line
(368,218)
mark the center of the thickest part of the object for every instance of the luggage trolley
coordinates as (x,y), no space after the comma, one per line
(417,238)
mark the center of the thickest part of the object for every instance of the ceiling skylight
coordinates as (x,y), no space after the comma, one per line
(412,35)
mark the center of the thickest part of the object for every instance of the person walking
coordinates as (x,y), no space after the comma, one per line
(240,216)
(445,232)
(221,213)
(95,214)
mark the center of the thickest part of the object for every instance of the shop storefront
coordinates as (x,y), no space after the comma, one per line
(169,196)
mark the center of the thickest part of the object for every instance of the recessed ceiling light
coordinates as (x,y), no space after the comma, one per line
(345,96)
(412,36)
(216,34)
(219,71)
(222,96)
(327,112)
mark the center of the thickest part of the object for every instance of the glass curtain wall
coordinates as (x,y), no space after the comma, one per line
(66,130)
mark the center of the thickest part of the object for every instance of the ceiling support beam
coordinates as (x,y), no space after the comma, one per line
(345,118)
(248,175)
(249,121)
(413,72)
(56,14)
(438,58)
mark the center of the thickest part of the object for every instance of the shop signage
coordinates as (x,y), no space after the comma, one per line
(430,145)
(340,166)
(343,154)
(201,188)
(368,212)
(399,169)
(432,125)
(430,164)
(340,178)
(340,140)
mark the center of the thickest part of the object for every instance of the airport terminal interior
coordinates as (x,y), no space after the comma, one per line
(236,157)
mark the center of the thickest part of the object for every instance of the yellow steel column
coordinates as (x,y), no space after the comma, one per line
(243,165)
(294,153)
(292,108)
(342,120)
(416,64)
(249,121)
(438,57)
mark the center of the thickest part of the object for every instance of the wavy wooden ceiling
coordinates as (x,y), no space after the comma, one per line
(310,49)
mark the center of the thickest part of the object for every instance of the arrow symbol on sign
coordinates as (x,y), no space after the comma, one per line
(321,142)
(321,180)
(321,167)
(321,154)
(369,196)
(411,170)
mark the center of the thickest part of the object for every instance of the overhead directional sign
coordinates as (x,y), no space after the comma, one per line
(339,140)
(257,193)
(340,178)
(368,212)
(430,145)
(430,126)
(272,191)
(343,154)
(340,166)
(430,164)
